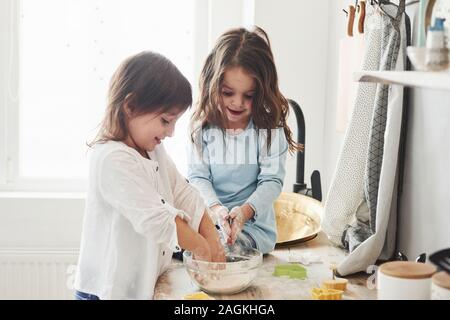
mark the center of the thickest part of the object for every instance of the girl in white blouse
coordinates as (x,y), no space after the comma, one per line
(139,209)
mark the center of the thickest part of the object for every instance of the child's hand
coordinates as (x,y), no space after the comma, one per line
(217,250)
(202,251)
(223,217)
(219,211)
(237,219)
(209,232)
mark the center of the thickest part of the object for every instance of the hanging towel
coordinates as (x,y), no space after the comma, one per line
(348,219)
(346,190)
(390,45)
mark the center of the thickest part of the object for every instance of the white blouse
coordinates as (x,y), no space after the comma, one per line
(129,231)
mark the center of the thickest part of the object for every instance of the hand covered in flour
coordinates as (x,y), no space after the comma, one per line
(209,232)
(237,221)
(222,219)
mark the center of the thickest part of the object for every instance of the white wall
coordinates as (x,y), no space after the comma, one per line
(299,44)
(40,222)
(424,219)
(332,138)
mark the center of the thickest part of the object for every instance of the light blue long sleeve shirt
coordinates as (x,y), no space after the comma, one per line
(234,169)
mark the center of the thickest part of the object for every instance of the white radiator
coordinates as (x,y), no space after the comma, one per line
(39,275)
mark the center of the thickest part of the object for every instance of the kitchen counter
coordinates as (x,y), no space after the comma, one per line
(175,283)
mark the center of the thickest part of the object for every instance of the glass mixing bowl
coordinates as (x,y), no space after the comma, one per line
(230,277)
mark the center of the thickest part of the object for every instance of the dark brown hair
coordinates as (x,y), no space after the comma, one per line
(148,82)
(250,50)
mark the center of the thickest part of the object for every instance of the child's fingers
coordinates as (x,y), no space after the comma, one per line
(218,251)
(234,231)
(220,257)
(223,212)
(225,224)
(234,212)
(227,231)
(225,217)
(202,254)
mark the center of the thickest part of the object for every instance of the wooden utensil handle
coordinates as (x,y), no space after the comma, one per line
(362,16)
(351,20)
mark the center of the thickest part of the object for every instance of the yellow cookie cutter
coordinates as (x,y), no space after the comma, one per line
(326,294)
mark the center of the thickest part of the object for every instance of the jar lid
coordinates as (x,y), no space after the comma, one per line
(408,269)
(442,279)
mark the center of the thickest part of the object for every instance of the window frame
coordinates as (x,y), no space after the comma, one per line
(9,131)
(10,180)
(212,17)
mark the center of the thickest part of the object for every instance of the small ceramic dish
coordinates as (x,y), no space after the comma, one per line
(418,57)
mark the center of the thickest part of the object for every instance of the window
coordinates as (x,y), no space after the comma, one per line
(64,53)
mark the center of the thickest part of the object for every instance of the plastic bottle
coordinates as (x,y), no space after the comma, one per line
(436,35)
(437,53)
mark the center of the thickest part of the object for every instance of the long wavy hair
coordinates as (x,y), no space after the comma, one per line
(251,51)
(148,82)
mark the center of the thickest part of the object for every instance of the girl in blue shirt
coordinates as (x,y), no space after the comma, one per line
(240,138)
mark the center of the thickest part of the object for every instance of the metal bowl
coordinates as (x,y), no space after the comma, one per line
(298,218)
(230,277)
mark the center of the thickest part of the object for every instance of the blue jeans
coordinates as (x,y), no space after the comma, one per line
(85,296)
